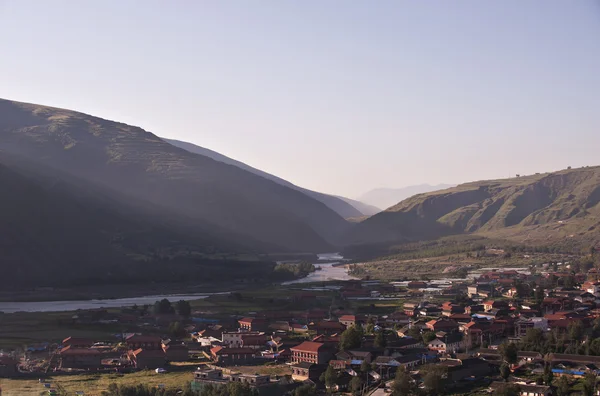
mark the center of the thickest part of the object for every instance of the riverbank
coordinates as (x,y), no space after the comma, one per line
(108,292)
(123,291)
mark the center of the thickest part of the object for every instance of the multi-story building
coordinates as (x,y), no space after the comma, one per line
(311,352)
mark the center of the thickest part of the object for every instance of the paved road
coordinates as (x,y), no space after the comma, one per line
(382,391)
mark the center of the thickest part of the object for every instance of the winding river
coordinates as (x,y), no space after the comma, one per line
(325,262)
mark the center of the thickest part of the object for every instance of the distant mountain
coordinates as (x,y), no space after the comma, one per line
(345,207)
(387,197)
(59,231)
(539,209)
(365,209)
(143,166)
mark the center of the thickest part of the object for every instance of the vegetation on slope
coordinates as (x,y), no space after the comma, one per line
(537,209)
(140,164)
(56,233)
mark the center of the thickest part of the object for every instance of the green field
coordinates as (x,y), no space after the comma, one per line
(94,384)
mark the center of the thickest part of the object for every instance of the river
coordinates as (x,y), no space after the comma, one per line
(327,272)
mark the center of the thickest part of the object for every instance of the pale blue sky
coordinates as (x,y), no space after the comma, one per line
(336,96)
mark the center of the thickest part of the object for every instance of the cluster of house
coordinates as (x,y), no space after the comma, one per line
(462,335)
(137,351)
(459,328)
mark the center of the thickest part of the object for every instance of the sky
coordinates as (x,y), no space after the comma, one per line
(338,96)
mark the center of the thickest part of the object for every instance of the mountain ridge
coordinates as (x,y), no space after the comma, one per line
(386,197)
(345,207)
(557,206)
(136,162)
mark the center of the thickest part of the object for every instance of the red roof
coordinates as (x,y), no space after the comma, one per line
(347,318)
(246,320)
(68,350)
(325,338)
(143,338)
(308,346)
(148,353)
(77,341)
(329,325)
(216,349)
(219,350)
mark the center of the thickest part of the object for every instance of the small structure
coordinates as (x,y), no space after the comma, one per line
(252,324)
(305,371)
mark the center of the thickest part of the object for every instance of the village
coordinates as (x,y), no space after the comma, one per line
(505,332)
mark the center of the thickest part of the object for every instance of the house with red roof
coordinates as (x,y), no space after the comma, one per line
(80,358)
(494,304)
(311,352)
(352,320)
(229,356)
(148,342)
(445,325)
(252,324)
(254,341)
(76,342)
(327,327)
(147,358)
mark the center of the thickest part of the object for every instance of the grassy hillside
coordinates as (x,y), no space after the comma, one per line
(537,209)
(140,164)
(345,207)
(54,232)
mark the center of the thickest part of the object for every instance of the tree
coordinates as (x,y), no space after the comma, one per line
(329,377)
(507,390)
(433,380)
(539,295)
(414,332)
(305,390)
(145,309)
(428,336)
(533,340)
(380,340)
(548,374)
(589,384)
(176,330)
(563,388)
(351,338)
(370,328)
(402,385)
(505,371)
(508,351)
(365,367)
(183,308)
(163,307)
(576,330)
(356,385)
(569,282)
(595,347)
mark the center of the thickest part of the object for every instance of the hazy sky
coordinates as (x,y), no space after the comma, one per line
(336,96)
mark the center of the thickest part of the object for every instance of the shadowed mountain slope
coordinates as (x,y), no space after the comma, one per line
(58,231)
(139,164)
